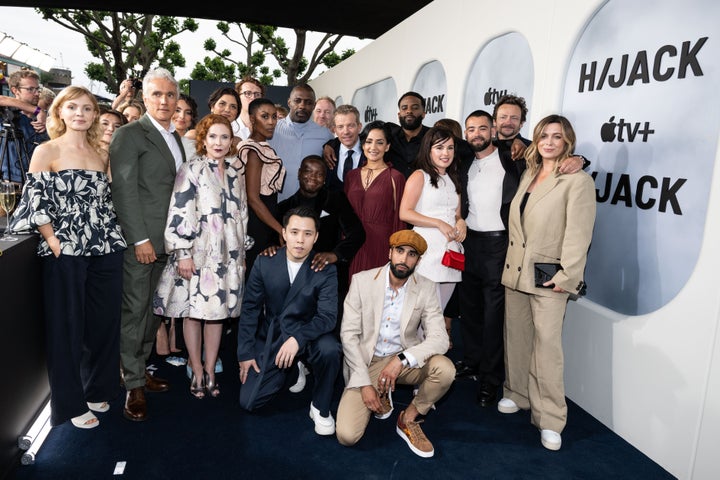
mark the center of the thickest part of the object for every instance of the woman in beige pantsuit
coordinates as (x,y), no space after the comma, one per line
(551,221)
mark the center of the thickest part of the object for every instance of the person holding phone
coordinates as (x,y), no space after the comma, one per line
(551,221)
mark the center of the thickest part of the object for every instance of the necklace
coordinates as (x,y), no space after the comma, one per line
(369,176)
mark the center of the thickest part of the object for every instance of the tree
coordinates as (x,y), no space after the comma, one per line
(127,44)
(257,42)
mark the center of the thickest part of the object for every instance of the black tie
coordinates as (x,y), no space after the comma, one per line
(348,165)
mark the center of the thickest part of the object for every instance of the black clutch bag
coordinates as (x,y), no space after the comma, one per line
(545,272)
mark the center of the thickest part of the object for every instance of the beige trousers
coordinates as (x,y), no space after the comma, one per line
(434,380)
(534,357)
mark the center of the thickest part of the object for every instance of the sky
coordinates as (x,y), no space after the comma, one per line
(69,50)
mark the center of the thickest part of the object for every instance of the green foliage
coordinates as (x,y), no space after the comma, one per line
(125,44)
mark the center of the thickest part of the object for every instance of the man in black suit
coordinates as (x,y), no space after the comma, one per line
(289,309)
(345,146)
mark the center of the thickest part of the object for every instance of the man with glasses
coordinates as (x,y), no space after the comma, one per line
(249,89)
(22,120)
(297,136)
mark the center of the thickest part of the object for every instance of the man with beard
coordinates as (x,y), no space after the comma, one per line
(406,137)
(297,135)
(383,311)
(489,183)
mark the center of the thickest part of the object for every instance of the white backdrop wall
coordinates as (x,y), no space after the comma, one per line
(652,372)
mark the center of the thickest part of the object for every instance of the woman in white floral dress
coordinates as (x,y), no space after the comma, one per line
(205,237)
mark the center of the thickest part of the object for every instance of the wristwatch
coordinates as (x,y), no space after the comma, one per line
(403,359)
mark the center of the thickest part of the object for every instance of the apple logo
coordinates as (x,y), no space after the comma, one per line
(607,131)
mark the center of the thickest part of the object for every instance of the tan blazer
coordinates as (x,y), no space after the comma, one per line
(361,322)
(556,227)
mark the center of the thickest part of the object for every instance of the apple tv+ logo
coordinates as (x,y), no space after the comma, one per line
(624,131)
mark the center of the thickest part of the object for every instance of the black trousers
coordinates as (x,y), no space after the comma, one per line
(83,297)
(482,306)
(324,354)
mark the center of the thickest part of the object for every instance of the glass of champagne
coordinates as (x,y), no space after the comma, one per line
(7,202)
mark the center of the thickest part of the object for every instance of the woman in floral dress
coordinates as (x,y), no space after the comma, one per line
(67,200)
(205,236)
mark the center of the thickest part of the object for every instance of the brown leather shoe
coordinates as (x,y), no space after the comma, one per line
(155,384)
(135,405)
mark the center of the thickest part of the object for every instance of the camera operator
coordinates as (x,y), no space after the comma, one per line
(23,119)
(129,89)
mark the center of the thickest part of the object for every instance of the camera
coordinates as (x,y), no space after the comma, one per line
(136,83)
(9,115)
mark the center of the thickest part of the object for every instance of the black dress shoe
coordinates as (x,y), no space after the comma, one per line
(155,384)
(463,370)
(487,394)
(135,406)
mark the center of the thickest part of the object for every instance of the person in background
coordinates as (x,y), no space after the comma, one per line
(346,146)
(184,119)
(28,119)
(289,311)
(46,98)
(324,111)
(205,237)
(248,88)
(132,110)
(129,91)
(282,111)
(145,156)
(223,101)
(110,120)
(264,176)
(384,310)
(431,203)
(67,200)
(375,192)
(551,220)
(297,136)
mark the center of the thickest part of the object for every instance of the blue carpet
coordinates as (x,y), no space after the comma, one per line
(213,438)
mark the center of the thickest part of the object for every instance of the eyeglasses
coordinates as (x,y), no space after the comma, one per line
(30,89)
(249,94)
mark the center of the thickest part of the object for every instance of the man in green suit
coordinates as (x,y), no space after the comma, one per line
(144,157)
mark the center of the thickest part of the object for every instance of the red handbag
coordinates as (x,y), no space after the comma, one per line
(454,259)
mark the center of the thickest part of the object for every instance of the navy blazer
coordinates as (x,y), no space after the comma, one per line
(306,310)
(331,179)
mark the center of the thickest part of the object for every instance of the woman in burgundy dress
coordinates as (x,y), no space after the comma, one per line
(374,191)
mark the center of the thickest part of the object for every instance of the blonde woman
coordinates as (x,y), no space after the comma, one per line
(550,225)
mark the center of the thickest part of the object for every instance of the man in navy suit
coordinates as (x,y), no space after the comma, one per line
(290,310)
(345,147)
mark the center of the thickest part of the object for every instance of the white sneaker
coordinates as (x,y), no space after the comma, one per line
(506,405)
(300,384)
(323,425)
(550,440)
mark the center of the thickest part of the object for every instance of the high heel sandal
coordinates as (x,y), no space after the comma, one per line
(212,387)
(197,391)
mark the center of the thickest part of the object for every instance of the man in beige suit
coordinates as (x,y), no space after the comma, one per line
(383,311)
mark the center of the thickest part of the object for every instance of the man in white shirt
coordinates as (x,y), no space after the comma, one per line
(382,313)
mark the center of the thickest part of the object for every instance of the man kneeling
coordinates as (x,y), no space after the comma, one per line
(296,308)
(383,311)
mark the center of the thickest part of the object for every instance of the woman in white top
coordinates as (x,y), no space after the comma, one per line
(431,203)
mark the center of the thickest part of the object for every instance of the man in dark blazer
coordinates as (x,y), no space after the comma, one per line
(347,126)
(144,158)
(290,310)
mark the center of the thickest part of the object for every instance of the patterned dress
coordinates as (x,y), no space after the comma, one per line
(441,203)
(378,209)
(207,221)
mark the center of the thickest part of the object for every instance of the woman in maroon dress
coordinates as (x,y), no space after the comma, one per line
(374,191)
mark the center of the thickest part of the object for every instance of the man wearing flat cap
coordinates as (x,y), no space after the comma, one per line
(384,311)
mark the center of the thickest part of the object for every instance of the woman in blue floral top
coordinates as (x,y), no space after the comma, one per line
(67,199)
(205,237)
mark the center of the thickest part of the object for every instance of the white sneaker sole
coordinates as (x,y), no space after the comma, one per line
(321,429)
(507,408)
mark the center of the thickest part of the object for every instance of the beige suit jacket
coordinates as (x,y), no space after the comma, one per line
(361,322)
(556,227)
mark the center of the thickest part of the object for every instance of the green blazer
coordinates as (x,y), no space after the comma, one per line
(143,175)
